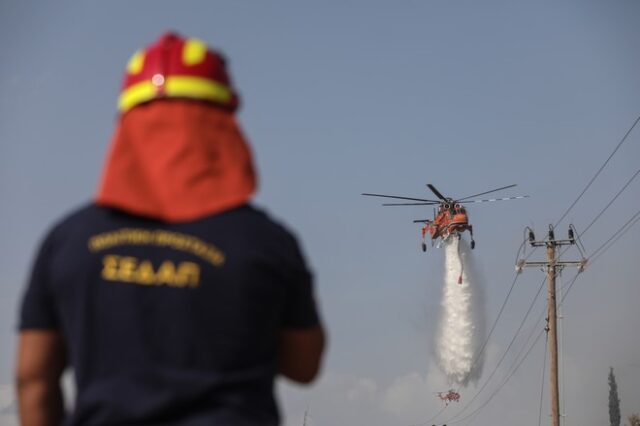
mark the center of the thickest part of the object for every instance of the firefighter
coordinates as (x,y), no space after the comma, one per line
(174,300)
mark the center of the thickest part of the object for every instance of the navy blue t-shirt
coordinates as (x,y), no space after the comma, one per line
(170,323)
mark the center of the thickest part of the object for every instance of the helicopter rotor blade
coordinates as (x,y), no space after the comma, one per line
(435,191)
(400,198)
(409,204)
(493,199)
(487,192)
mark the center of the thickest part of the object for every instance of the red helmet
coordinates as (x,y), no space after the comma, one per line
(175,67)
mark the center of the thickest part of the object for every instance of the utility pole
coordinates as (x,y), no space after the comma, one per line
(552,266)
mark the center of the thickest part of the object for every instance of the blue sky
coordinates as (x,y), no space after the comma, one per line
(341,98)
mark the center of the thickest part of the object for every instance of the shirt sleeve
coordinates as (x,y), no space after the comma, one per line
(300,310)
(37,310)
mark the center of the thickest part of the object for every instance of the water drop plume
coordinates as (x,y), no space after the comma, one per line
(461,322)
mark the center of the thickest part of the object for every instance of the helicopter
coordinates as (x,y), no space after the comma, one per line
(451,217)
(450,396)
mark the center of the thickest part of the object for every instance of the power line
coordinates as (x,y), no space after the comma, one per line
(634,219)
(619,233)
(495,322)
(615,237)
(432,418)
(605,246)
(514,366)
(503,355)
(484,344)
(517,366)
(527,340)
(553,266)
(519,358)
(612,200)
(624,138)
(502,384)
(624,187)
(575,278)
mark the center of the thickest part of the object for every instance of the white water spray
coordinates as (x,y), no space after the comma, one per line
(461,325)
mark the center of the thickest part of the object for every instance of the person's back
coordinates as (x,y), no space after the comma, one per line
(171,309)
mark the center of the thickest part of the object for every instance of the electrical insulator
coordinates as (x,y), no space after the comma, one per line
(532,237)
(551,234)
(572,238)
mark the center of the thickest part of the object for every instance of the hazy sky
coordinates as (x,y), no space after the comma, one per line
(345,97)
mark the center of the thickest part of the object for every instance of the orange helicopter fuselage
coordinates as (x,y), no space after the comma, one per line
(449,221)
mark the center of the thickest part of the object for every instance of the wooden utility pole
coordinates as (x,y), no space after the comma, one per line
(553,334)
(552,266)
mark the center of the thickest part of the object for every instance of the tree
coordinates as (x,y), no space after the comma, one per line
(614,402)
(633,420)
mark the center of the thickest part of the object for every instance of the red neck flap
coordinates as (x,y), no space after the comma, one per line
(176,161)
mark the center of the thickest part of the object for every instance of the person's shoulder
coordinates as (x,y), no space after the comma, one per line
(82,218)
(260,217)
(261,227)
(55,231)
(80,214)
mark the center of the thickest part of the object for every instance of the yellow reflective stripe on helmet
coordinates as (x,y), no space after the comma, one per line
(193,51)
(136,62)
(197,87)
(136,94)
(175,87)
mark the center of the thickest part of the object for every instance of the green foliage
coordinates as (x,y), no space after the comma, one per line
(614,402)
